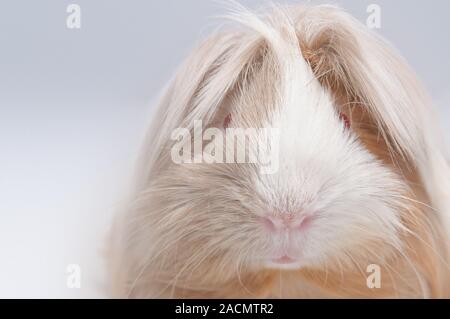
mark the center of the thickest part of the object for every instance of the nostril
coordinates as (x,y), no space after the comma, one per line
(278,223)
(304,223)
(275,223)
(269,223)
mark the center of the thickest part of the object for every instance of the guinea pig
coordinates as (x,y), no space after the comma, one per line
(361,180)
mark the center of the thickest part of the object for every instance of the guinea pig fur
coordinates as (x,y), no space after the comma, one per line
(363,177)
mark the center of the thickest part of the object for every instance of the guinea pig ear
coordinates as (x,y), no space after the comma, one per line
(353,61)
(359,66)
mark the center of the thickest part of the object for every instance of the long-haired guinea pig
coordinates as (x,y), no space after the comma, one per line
(360,190)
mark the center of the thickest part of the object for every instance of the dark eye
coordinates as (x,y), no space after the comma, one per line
(344,118)
(227,121)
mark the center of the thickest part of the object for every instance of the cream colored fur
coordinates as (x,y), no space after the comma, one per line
(380,191)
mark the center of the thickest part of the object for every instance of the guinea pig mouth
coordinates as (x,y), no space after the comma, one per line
(284,262)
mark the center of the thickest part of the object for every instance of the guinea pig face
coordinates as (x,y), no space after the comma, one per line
(330,200)
(339,119)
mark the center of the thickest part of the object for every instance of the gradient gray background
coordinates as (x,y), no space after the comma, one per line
(74,105)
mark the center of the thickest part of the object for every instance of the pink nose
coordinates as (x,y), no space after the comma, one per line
(286,222)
